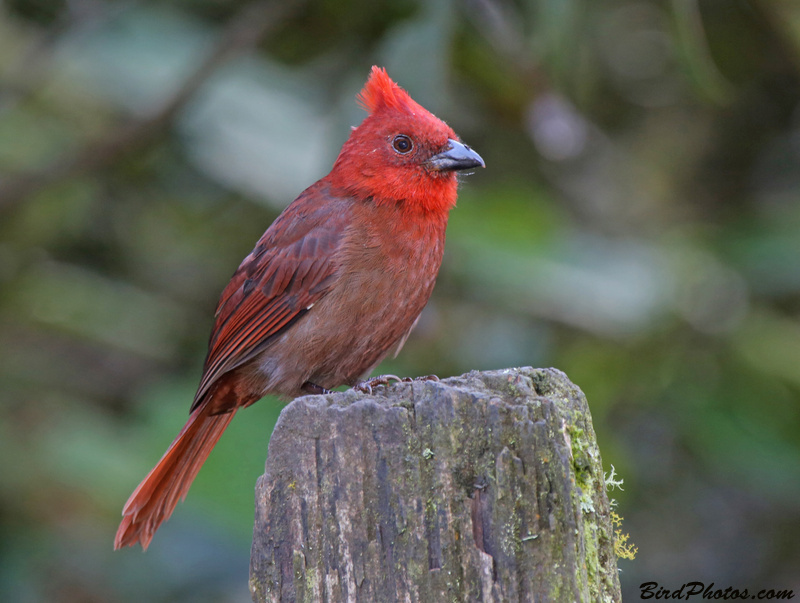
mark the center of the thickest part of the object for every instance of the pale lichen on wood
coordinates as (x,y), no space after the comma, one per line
(484,487)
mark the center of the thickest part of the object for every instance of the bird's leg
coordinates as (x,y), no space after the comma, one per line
(313,388)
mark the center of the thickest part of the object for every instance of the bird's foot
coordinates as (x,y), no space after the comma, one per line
(366,386)
(314,389)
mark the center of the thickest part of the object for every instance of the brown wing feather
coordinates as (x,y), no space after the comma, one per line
(291,268)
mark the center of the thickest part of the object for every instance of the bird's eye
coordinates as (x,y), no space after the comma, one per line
(402,144)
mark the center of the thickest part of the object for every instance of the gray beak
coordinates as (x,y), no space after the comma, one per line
(457,156)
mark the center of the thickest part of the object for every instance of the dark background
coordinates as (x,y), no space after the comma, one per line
(637,226)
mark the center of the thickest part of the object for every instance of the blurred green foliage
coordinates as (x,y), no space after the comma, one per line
(638,226)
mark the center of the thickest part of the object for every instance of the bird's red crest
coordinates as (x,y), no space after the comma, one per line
(380,91)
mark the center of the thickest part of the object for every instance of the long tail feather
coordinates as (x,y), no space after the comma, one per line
(155,498)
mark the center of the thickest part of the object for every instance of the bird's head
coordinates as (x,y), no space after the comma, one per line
(401,153)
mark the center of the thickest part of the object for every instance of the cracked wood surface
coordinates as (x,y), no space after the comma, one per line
(484,487)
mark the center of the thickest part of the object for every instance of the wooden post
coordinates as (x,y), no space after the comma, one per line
(484,487)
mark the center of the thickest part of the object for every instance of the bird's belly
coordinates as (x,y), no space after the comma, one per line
(349,331)
(384,278)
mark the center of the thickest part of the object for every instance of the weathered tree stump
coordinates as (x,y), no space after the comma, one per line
(484,487)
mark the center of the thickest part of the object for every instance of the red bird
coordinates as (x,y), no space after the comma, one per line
(332,287)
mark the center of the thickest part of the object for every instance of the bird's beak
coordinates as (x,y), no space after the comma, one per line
(457,156)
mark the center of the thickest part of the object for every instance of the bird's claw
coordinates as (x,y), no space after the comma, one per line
(367,385)
(363,387)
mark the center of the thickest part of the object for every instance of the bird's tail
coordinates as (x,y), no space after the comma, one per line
(155,498)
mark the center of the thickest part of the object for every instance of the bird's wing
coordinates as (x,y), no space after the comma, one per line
(290,269)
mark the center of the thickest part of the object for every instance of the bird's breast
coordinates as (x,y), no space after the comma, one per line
(385,273)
